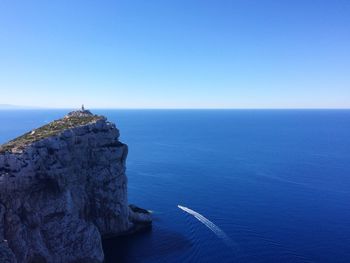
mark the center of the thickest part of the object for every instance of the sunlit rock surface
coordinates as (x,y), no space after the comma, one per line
(62,189)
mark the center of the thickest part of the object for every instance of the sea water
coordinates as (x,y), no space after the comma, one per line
(274,183)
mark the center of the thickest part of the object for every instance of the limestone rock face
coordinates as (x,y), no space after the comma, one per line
(61,192)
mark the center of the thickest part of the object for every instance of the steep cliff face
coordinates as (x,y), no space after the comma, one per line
(62,189)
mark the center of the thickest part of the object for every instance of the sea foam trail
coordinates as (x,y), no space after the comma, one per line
(217,231)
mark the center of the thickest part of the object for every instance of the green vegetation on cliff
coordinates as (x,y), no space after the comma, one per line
(48,130)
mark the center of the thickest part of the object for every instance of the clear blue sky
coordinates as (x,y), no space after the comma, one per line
(175,53)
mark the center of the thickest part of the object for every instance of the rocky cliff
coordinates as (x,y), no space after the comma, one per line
(62,189)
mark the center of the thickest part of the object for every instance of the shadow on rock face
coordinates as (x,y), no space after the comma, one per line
(140,247)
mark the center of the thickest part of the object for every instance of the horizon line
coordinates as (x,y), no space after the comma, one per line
(131,108)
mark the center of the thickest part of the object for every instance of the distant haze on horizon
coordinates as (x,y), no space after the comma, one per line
(175,54)
(23,107)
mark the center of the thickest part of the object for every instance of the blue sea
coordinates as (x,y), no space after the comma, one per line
(256,185)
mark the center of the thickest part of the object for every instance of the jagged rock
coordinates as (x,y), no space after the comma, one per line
(62,189)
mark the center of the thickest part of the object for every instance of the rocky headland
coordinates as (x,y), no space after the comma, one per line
(63,188)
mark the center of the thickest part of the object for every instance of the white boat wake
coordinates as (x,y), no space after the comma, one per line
(217,231)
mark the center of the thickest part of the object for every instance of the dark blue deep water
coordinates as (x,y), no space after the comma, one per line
(276,182)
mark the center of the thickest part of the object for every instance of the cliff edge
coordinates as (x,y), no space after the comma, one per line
(62,189)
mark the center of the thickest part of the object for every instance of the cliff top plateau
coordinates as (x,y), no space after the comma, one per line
(71,120)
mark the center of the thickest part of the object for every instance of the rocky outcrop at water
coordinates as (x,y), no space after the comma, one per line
(62,189)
